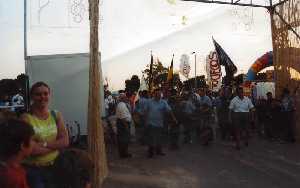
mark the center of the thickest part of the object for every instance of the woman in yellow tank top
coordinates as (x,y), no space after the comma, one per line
(50,135)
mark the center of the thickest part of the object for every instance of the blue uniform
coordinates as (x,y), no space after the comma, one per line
(155,112)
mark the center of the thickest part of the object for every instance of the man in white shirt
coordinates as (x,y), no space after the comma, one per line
(240,111)
(124,119)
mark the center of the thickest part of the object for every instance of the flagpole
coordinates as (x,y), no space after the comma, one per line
(195,55)
(150,72)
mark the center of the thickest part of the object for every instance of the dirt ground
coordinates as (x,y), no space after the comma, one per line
(263,164)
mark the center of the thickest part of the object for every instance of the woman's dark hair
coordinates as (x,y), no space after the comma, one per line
(73,168)
(13,133)
(37,85)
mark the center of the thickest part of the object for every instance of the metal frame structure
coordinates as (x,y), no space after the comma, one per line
(271,8)
(249,3)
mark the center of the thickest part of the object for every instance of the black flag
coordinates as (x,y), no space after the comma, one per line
(151,73)
(225,60)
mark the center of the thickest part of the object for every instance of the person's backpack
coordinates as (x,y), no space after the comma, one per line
(54,115)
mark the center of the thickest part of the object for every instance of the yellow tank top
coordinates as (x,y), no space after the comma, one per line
(45,131)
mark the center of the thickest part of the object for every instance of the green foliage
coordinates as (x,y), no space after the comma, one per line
(157,70)
(160,75)
(11,87)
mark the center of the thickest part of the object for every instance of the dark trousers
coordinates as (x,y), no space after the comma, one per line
(123,137)
(226,130)
(269,129)
(174,135)
(188,127)
(288,126)
(40,177)
(141,131)
(241,125)
(155,139)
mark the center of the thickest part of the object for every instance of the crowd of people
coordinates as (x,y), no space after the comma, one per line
(35,151)
(14,103)
(199,116)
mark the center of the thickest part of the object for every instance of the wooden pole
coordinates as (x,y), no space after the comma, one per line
(96,146)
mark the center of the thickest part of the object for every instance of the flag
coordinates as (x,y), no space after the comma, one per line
(225,60)
(151,73)
(170,73)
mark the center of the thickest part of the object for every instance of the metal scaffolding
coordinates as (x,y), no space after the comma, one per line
(271,6)
(247,3)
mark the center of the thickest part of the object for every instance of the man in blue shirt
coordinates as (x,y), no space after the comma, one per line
(203,100)
(188,110)
(204,130)
(140,111)
(155,112)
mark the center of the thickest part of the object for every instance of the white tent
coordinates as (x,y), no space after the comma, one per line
(130,29)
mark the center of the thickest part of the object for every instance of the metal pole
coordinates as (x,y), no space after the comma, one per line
(229,3)
(195,55)
(25,30)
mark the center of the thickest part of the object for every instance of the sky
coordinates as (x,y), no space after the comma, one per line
(129,30)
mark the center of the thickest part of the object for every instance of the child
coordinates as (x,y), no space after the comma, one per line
(15,145)
(72,168)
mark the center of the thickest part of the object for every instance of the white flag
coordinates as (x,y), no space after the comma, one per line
(214,73)
(185,67)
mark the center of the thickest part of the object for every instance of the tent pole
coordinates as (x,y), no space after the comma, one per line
(96,146)
(25,30)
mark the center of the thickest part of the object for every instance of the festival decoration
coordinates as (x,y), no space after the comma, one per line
(185,67)
(214,73)
(264,61)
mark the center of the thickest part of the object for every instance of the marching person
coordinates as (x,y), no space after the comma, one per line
(269,123)
(140,112)
(156,111)
(287,111)
(205,131)
(124,119)
(173,129)
(188,109)
(239,114)
(222,104)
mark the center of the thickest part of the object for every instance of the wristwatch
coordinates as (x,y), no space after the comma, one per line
(45,144)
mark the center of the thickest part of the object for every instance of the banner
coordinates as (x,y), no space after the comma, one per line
(184,67)
(225,60)
(214,73)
